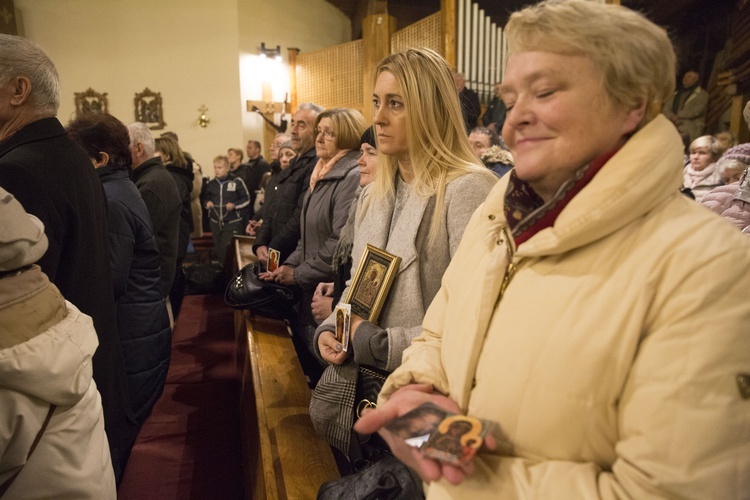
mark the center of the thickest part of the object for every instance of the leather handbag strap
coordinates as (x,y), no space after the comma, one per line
(4,487)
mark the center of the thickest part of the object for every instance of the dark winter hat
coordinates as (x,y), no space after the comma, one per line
(368,137)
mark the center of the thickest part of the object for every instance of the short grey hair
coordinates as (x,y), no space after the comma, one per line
(139,132)
(22,57)
(312,107)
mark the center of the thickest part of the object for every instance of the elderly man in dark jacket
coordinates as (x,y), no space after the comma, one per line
(52,178)
(161,196)
(281,228)
(142,320)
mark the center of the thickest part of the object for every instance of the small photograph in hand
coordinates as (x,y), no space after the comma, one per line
(457,439)
(343,319)
(416,426)
(274,257)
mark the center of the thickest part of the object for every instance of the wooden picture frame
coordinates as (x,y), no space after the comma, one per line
(91,102)
(371,284)
(149,110)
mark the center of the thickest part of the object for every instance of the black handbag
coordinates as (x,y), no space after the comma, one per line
(370,381)
(366,449)
(265,298)
(387,479)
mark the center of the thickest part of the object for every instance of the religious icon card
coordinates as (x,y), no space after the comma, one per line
(456,440)
(416,426)
(274,257)
(343,320)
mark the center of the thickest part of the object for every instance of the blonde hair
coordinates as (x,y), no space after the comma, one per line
(635,57)
(348,125)
(222,158)
(710,142)
(438,147)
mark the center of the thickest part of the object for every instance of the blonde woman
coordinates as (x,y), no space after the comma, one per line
(427,185)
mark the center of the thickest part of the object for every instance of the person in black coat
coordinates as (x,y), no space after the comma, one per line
(281,228)
(142,320)
(252,173)
(494,117)
(52,178)
(159,192)
(469,102)
(181,171)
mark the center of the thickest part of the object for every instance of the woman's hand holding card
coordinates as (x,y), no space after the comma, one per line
(400,403)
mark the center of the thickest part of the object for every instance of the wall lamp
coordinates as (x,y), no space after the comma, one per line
(274,53)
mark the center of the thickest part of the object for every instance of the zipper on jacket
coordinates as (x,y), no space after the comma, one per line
(512,267)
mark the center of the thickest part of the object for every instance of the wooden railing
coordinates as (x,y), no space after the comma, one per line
(283,455)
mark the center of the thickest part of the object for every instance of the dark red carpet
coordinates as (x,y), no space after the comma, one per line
(189,448)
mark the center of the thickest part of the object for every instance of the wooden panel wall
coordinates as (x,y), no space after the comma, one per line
(332,77)
(425,33)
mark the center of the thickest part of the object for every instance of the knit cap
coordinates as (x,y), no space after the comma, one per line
(22,238)
(741,153)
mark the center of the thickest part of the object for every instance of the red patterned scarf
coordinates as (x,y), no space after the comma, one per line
(526,212)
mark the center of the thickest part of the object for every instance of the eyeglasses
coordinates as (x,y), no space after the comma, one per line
(326,133)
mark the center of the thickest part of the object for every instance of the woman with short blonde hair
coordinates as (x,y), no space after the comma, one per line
(593,317)
(325,209)
(701,175)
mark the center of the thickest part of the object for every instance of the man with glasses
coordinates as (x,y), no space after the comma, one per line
(281,226)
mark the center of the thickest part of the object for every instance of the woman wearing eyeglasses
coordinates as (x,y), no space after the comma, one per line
(324,211)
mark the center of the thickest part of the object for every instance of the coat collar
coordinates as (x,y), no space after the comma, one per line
(108,173)
(302,161)
(146,166)
(644,173)
(342,167)
(39,130)
(402,240)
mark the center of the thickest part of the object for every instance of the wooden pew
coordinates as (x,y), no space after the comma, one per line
(284,457)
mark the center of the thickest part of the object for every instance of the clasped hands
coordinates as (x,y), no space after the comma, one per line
(400,403)
(283,275)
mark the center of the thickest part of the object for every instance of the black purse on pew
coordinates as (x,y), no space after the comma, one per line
(365,449)
(264,298)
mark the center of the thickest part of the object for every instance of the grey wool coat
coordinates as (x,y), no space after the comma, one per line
(416,283)
(324,213)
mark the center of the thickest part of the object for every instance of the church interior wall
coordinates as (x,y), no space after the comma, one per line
(191,51)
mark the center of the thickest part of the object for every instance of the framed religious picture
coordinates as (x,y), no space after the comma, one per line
(91,102)
(148,109)
(371,284)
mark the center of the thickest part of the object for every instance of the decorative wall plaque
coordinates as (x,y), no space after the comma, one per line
(91,102)
(148,109)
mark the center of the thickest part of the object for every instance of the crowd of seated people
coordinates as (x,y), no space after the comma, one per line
(552,279)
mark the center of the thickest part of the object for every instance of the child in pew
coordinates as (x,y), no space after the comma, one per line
(225,199)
